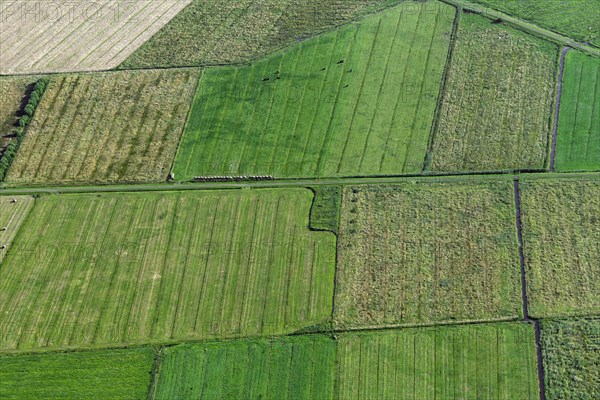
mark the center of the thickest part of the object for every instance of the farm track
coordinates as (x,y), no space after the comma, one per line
(559,89)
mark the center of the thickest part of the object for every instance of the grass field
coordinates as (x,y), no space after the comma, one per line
(561,232)
(422,254)
(112,374)
(571,358)
(108,127)
(286,368)
(359,100)
(112,269)
(463,362)
(63,35)
(575,19)
(325,212)
(578,140)
(11,217)
(222,31)
(497,106)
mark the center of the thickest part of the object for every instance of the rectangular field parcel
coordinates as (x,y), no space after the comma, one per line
(497,105)
(111,374)
(113,269)
(571,358)
(359,100)
(224,31)
(488,361)
(106,127)
(561,241)
(427,253)
(578,139)
(300,368)
(66,35)
(13,211)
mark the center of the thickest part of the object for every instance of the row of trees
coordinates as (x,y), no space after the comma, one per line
(19,130)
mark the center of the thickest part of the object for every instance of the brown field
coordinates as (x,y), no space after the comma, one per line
(12,91)
(106,127)
(65,35)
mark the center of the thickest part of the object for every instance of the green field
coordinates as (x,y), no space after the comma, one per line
(325,212)
(578,139)
(575,19)
(571,351)
(12,214)
(285,368)
(112,269)
(497,105)
(464,362)
(106,127)
(359,100)
(224,31)
(427,253)
(561,232)
(112,374)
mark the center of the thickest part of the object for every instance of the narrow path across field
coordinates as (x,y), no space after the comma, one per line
(536,323)
(563,55)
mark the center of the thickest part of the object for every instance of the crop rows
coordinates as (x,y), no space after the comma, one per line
(422,254)
(468,362)
(100,270)
(113,374)
(578,140)
(357,100)
(222,31)
(286,368)
(107,127)
(70,36)
(13,211)
(561,233)
(495,112)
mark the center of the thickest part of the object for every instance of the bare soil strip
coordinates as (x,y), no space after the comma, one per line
(563,55)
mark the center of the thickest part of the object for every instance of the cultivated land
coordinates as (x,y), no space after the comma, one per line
(108,127)
(105,270)
(576,19)
(561,232)
(113,374)
(11,216)
(422,254)
(12,92)
(578,140)
(224,31)
(66,36)
(359,100)
(285,368)
(497,105)
(571,358)
(495,361)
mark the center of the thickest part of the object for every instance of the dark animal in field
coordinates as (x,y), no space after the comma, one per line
(323,69)
(340,62)
(346,86)
(350,70)
(266,79)
(498,21)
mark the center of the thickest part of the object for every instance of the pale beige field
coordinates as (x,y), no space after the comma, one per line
(67,35)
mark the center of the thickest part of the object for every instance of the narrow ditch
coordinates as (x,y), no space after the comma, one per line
(563,55)
(526,317)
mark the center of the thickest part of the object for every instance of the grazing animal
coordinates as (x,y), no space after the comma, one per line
(346,86)
(350,70)
(3,247)
(3,228)
(323,69)
(266,79)
(340,62)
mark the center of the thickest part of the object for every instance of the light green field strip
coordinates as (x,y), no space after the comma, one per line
(106,128)
(359,100)
(112,374)
(576,19)
(495,361)
(114,269)
(496,109)
(571,358)
(286,368)
(578,139)
(13,211)
(561,233)
(422,253)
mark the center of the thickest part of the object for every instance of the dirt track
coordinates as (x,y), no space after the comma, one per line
(65,36)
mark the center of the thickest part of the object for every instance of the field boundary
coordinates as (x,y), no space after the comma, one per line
(559,88)
(155,373)
(443,89)
(526,317)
